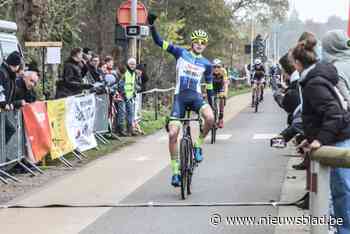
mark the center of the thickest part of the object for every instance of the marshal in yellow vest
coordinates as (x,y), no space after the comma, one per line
(130,80)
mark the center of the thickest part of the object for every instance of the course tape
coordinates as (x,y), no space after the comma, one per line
(157,204)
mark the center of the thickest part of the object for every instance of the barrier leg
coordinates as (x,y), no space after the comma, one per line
(3,180)
(103,138)
(77,156)
(9,176)
(65,162)
(319,195)
(81,154)
(34,166)
(115,137)
(26,168)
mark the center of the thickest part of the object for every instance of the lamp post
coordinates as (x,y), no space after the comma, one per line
(252,45)
(231,46)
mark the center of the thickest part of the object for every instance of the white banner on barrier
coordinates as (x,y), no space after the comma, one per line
(80,118)
(138,106)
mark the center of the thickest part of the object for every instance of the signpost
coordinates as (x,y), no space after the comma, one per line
(53,56)
(132,15)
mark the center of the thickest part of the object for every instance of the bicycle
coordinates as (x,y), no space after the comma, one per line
(216,118)
(215,126)
(187,161)
(257,93)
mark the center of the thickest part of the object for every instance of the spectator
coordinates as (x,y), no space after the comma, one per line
(25,86)
(72,80)
(143,77)
(127,92)
(325,121)
(110,66)
(8,70)
(108,78)
(289,100)
(336,50)
(86,59)
(8,74)
(93,75)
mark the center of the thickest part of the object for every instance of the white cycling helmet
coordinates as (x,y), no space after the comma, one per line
(217,62)
(257,61)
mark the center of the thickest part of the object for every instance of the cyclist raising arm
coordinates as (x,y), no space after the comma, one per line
(191,67)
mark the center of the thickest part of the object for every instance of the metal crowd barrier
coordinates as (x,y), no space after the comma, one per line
(155,93)
(12,145)
(322,160)
(101,125)
(101,117)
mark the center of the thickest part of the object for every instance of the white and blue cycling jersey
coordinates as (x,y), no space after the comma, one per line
(190,68)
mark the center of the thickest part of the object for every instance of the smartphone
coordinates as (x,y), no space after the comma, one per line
(278,143)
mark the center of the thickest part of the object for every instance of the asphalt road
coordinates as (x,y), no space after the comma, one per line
(240,167)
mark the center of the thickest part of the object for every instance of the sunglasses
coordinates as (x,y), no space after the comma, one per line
(200,42)
(217,66)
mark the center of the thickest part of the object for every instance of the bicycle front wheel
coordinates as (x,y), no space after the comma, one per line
(257,97)
(191,166)
(184,155)
(213,135)
(214,128)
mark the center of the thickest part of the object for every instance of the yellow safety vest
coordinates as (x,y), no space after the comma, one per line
(130,84)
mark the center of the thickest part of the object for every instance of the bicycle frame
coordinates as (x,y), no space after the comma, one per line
(187,161)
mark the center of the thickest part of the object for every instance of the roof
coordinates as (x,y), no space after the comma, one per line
(8,26)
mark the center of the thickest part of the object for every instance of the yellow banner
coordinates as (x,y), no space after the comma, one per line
(57,114)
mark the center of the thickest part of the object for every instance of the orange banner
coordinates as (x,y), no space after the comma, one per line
(37,128)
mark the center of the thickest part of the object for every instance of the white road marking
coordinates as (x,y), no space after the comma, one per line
(141,159)
(223,137)
(264,136)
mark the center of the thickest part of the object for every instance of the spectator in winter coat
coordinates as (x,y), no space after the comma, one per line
(143,77)
(8,74)
(8,70)
(25,86)
(289,100)
(336,50)
(72,81)
(325,121)
(93,74)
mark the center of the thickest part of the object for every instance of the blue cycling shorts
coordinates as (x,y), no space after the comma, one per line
(186,100)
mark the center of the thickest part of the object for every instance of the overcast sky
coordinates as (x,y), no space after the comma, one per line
(320,10)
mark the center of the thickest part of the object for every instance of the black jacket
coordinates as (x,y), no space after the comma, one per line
(291,100)
(7,86)
(22,93)
(323,116)
(72,80)
(93,73)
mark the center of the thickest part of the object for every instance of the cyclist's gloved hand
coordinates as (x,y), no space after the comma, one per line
(151,18)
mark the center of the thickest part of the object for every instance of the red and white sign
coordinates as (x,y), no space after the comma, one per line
(124,14)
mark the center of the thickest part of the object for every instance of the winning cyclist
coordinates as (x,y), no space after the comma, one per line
(258,79)
(191,67)
(220,87)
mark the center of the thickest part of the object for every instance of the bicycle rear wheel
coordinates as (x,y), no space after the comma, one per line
(184,167)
